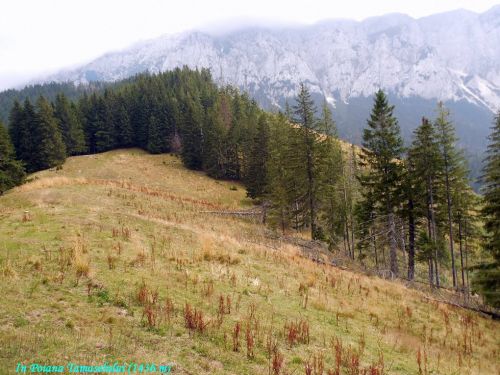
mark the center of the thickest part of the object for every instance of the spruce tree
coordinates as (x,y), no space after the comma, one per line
(256,177)
(22,129)
(426,164)
(121,118)
(69,125)
(155,140)
(409,212)
(303,111)
(330,177)
(17,129)
(454,176)
(11,170)
(487,279)
(192,135)
(104,126)
(281,188)
(383,147)
(49,148)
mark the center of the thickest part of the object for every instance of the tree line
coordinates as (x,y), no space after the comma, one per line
(386,205)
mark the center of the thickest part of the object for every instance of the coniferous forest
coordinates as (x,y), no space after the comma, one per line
(406,211)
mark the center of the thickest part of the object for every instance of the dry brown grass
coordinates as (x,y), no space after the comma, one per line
(162,282)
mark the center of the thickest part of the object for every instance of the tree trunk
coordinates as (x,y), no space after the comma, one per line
(351,218)
(432,229)
(346,238)
(310,191)
(466,258)
(431,272)
(374,243)
(450,223)
(347,214)
(411,241)
(393,245)
(461,252)
(403,241)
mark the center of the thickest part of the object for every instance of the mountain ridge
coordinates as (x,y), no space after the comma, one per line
(417,61)
(396,52)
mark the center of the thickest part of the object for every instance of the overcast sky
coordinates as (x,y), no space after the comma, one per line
(42,36)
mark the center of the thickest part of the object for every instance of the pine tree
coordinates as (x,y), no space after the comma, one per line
(330,177)
(11,170)
(409,212)
(155,140)
(69,125)
(487,279)
(256,177)
(49,149)
(192,135)
(104,126)
(426,164)
(281,188)
(121,118)
(303,111)
(22,128)
(17,129)
(454,176)
(383,147)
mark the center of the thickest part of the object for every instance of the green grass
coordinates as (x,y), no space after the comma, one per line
(109,225)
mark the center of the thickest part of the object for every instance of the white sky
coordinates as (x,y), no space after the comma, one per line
(41,36)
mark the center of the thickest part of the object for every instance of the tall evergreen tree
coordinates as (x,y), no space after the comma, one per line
(155,139)
(104,126)
(281,177)
(50,150)
(303,111)
(191,129)
(121,118)
(17,129)
(383,147)
(408,199)
(487,279)
(69,125)
(426,164)
(330,177)
(454,174)
(11,170)
(256,177)
(22,128)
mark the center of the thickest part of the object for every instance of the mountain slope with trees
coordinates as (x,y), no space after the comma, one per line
(413,203)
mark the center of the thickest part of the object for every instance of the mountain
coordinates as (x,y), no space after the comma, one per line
(453,57)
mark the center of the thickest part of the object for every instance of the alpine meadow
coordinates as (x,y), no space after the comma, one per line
(171,221)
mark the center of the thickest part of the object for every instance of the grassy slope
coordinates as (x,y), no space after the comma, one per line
(124,220)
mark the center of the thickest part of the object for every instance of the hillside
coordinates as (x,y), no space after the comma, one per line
(117,257)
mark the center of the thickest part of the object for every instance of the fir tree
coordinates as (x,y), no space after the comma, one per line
(49,149)
(487,279)
(69,125)
(454,176)
(17,129)
(11,170)
(155,139)
(22,128)
(256,177)
(121,118)
(383,146)
(425,162)
(104,126)
(281,187)
(192,135)
(304,110)
(330,177)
